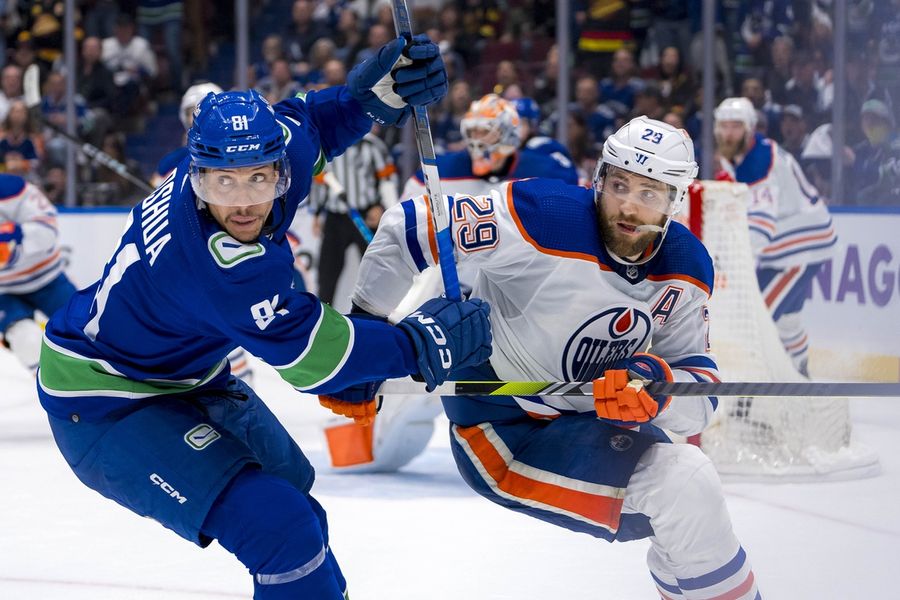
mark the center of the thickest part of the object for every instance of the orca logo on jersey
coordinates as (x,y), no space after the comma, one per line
(605,339)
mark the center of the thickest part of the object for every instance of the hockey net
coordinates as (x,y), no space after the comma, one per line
(786,439)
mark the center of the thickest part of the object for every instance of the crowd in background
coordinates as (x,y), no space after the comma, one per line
(628,58)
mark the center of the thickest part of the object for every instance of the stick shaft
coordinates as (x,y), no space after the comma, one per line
(562,388)
(439,209)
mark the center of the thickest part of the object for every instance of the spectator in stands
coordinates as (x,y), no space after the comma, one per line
(309,72)
(650,102)
(334,72)
(53,111)
(132,63)
(304,31)
(447,134)
(876,169)
(753,90)
(803,89)
(779,73)
(166,16)
(794,129)
(95,81)
(100,18)
(379,35)
(10,88)
(544,92)
(272,50)
(604,28)
(349,37)
(676,84)
(507,74)
(674,119)
(816,162)
(618,90)
(280,84)
(21,147)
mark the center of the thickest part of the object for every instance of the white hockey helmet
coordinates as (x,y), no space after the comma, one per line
(497,117)
(653,149)
(737,109)
(192,98)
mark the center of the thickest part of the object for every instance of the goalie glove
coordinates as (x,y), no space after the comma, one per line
(357,402)
(448,334)
(401,75)
(620,397)
(10,239)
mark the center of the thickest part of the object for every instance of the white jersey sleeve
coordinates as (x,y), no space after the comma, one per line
(39,261)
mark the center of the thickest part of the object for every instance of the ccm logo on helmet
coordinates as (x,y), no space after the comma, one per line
(242,148)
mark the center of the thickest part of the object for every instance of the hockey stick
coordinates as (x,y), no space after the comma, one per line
(436,202)
(31,86)
(334,185)
(563,388)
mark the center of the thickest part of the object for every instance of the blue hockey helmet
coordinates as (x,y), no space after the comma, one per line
(233,130)
(528,109)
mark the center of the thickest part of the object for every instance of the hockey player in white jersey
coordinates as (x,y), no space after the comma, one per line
(31,267)
(582,282)
(492,130)
(791,232)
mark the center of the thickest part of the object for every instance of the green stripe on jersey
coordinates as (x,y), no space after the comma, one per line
(329,345)
(67,374)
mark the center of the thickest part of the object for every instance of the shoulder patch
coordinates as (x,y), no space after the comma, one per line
(228,252)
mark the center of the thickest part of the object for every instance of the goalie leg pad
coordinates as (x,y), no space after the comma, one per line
(401,431)
(277,532)
(24,339)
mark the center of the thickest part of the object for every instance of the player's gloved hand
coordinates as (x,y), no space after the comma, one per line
(357,402)
(621,399)
(448,334)
(10,239)
(401,75)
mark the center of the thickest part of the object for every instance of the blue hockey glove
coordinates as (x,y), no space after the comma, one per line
(401,75)
(622,400)
(447,335)
(357,402)
(10,239)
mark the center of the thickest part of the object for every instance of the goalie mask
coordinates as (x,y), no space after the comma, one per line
(491,131)
(649,165)
(237,151)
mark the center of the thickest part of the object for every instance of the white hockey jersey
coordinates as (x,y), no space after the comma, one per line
(562,308)
(789,222)
(39,260)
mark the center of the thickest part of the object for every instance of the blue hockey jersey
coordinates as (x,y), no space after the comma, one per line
(179,293)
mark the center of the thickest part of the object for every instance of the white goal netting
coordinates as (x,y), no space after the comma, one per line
(786,439)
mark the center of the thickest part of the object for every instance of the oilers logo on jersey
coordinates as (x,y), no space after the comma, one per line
(606,338)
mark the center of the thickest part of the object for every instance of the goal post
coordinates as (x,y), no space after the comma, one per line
(783,439)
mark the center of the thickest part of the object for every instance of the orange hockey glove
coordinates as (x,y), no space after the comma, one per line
(620,397)
(356,402)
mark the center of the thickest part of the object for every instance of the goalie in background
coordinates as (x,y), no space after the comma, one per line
(582,281)
(495,133)
(31,267)
(790,228)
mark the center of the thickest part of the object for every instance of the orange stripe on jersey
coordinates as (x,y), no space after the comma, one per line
(386,172)
(524,233)
(687,278)
(796,241)
(704,372)
(432,239)
(34,268)
(319,178)
(594,508)
(785,280)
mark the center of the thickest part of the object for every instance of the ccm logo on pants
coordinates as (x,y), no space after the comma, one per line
(157,480)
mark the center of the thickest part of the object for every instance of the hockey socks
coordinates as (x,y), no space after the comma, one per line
(280,535)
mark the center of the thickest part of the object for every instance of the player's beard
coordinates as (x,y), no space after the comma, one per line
(622,244)
(729,150)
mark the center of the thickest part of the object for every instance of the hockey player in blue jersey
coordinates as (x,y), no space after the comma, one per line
(582,282)
(31,267)
(532,138)
(133,372)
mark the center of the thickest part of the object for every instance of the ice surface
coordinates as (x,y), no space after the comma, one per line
(423,533)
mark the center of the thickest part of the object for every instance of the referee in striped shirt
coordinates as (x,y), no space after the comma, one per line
(350,196)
